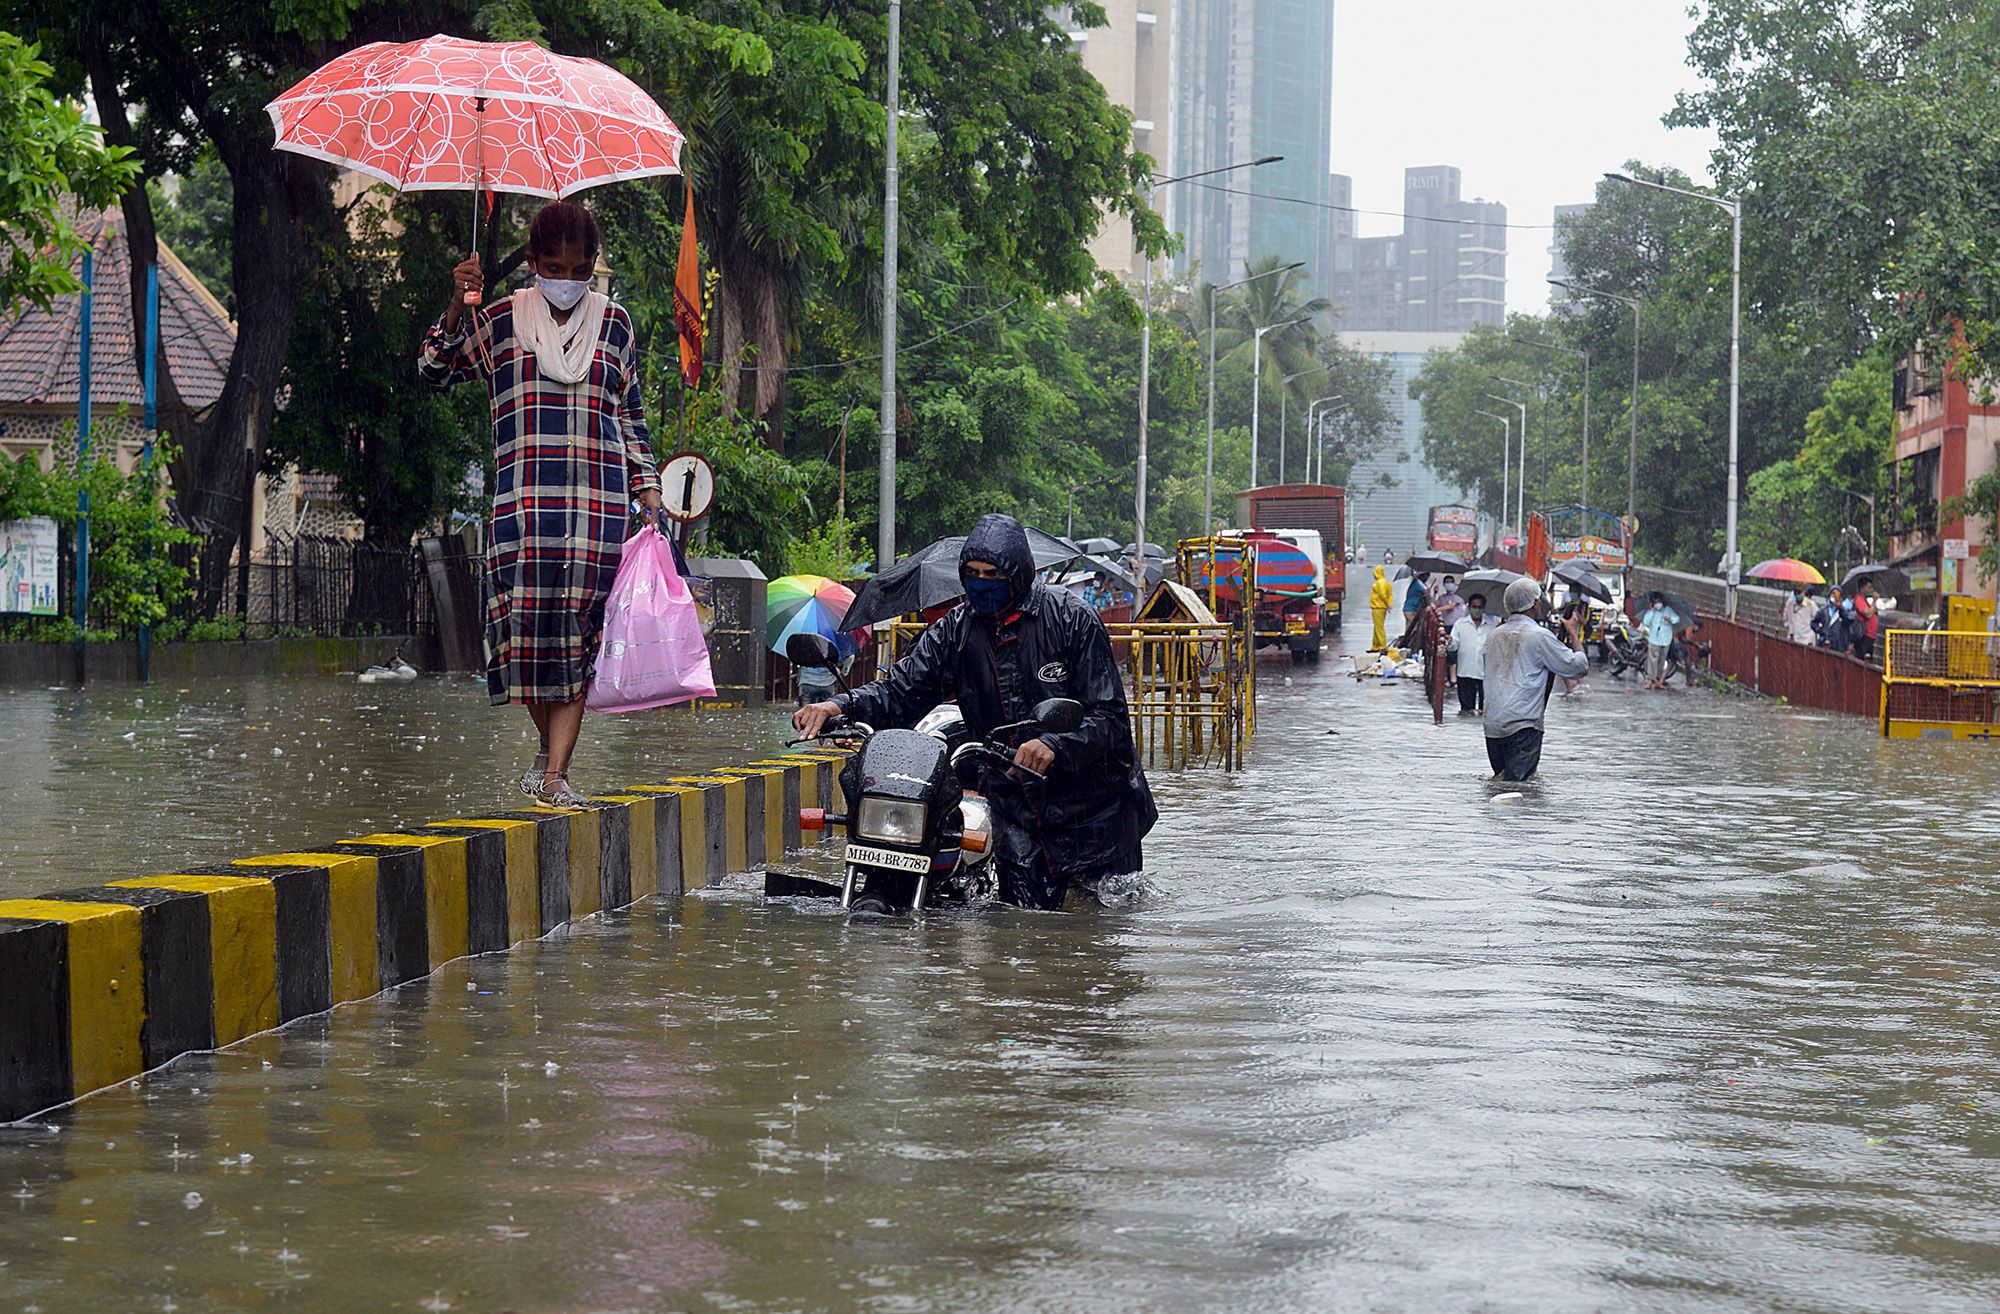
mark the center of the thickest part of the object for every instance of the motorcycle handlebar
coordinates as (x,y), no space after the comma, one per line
(1004,759)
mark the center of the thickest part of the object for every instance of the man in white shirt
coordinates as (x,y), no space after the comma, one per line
(1467,649)
(1798,616)
(1522,662)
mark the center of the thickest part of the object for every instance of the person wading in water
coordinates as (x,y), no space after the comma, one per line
(570,454)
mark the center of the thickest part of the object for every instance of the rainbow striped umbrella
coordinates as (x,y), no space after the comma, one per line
(808,604)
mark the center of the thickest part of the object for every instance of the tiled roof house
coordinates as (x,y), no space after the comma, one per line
(40,350)
(39,362)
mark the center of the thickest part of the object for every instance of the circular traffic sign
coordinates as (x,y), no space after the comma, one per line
(687,486)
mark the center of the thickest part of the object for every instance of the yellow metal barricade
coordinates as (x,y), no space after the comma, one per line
(1192,692)
(1941,684)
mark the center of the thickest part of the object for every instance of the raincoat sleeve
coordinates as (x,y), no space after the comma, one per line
(1095,683)
(640,467)
(456,356)
(920,681)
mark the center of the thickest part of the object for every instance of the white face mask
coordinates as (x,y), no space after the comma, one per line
(562,293)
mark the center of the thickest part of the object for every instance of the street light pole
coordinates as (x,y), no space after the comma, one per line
(1208,479)
(1506,456)
(1312,475)
(1732,565)
(1541,390)
(1146,339)
(1284,395)
(1584,352)
(885,511)
(1257,384)
(1521,484)
(1632,449)
(1319,442)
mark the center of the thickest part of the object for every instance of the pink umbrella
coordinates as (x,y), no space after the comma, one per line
(446,113)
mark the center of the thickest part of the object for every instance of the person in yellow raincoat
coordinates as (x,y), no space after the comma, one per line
(1380,595)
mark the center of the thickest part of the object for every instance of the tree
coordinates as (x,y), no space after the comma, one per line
(404,456)
(167,78)
(195,219)
(1798,507)
(1866,140)
(1015,155)
(50,160)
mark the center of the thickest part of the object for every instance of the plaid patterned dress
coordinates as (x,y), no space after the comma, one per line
(568,461)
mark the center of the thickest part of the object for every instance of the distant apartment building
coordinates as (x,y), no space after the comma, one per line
(1251,78)
(1391,492)
(1445,273)
(1561,298)
(1131,56)
(1945,441)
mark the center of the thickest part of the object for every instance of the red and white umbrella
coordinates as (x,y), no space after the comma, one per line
(446,113)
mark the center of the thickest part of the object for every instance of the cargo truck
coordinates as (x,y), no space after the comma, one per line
(1299,513)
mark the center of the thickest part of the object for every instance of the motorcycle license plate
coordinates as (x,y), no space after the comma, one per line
(867,855)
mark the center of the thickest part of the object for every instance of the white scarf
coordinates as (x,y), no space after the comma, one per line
(563,352)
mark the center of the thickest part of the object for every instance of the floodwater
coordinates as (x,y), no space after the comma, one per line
(218,769)
(1702,1021)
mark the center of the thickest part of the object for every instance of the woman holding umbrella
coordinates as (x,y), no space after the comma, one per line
(571,453)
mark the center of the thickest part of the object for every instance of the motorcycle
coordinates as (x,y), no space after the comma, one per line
(918,835)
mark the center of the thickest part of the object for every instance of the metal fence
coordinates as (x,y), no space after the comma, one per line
(1774,666)
(303,586)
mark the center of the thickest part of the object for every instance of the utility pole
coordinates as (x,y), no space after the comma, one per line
(885,528)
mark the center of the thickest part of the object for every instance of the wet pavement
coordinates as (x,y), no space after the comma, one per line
(1700,1021)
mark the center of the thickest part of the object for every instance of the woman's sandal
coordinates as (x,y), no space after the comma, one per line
(531,779)
(559,795)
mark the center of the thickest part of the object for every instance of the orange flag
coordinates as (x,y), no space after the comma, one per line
(687,301)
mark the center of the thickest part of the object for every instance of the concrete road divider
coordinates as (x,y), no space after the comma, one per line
(98,985)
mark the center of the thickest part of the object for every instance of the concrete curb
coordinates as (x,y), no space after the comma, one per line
(105,983)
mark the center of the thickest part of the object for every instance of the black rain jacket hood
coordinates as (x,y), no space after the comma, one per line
(1000,541)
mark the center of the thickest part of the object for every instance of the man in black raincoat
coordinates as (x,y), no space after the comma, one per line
(1008,646)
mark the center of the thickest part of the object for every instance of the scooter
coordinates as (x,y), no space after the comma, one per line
(918,836)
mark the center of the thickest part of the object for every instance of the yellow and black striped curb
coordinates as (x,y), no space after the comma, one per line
(101,984)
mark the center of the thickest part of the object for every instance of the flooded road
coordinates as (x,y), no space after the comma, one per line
(1702,1021)
(221,769)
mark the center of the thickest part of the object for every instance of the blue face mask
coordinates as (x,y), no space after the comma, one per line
(987,596)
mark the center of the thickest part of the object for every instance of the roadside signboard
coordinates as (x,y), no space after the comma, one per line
(28,566)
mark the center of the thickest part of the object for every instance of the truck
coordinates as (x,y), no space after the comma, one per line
(1291,511)
(1572,533)
(1454,530)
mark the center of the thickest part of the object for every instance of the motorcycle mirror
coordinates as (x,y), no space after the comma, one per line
(811,650)
(1059,714)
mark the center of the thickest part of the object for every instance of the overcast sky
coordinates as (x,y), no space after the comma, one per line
(1532,99)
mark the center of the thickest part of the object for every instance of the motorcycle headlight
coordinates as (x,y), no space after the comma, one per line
(891,820)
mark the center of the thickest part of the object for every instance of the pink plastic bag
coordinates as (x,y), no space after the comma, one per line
(653,654)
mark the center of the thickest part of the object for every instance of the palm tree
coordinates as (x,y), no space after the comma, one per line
(1293,349)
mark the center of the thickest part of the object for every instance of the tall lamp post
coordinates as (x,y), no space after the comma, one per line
(1312,474)
(885,463)
(1319,442)
(1146,337)
(1284,396)
(1506,457)
(1732,562)
(1208,478)
(1632,449)
(1257,383)
(1585,353)
(1521,484)
(1541,390)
